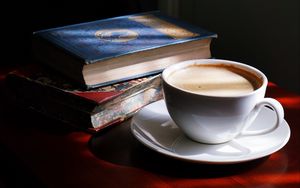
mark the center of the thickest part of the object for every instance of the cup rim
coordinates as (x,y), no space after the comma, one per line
(237,64)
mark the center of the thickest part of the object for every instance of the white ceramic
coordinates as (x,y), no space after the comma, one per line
(218,119)
(153,127)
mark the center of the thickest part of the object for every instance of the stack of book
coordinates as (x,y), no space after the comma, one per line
(98,73)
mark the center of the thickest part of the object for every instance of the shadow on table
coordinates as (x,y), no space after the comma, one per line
(117,145)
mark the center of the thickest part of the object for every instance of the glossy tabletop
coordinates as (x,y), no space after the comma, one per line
(38,151)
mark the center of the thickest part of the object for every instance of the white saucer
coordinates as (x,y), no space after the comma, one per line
(153,127)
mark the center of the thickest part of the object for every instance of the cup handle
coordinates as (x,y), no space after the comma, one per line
(278,109)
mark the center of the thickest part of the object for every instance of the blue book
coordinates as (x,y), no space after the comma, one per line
(108,51)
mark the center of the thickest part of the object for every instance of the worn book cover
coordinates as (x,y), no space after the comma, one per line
(107,51)
(53,95)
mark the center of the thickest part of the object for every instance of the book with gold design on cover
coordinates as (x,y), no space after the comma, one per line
(108,51)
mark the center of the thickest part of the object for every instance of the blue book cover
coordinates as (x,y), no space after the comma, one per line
(109,38)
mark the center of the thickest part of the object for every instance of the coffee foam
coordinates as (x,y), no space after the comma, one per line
(215,80)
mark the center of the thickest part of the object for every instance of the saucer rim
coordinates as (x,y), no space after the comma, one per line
(165,152)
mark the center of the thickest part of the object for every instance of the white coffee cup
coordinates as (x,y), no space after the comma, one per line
(222,113)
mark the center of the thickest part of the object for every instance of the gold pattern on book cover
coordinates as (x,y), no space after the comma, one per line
(116,35)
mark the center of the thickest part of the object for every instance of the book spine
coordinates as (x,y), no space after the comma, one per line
(126,108)
(154,82)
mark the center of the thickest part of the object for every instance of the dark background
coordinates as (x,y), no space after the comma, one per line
(264,34)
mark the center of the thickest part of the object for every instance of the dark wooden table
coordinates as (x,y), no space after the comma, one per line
(36,151)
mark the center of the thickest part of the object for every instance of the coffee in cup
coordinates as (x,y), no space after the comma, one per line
(213,101)
(215,80)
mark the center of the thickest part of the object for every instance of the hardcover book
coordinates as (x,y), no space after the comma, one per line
(108,51)
(53,95)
